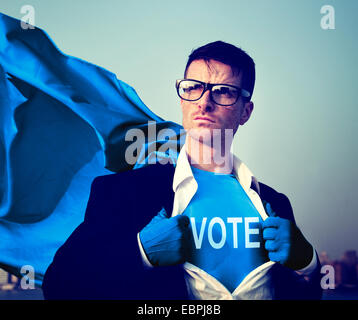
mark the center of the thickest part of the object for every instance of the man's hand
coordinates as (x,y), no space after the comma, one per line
(166,241)
(285,243)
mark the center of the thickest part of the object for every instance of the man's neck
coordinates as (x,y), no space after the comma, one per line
(207,157)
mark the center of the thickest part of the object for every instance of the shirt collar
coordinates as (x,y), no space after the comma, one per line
(242,172)
(182,170)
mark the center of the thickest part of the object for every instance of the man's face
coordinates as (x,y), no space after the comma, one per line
(206,114)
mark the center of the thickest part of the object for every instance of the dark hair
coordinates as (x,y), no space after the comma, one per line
(226,53)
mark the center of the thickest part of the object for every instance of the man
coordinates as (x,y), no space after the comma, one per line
(202,221)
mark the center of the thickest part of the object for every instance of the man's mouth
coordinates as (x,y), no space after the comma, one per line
(205,119)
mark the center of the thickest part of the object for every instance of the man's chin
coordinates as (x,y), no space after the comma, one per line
(202,134)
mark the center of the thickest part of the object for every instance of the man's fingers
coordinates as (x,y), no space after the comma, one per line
(271,245)
(162,214)
(183,221)
(274,256)
(269,210)
(269,233)
(272,222)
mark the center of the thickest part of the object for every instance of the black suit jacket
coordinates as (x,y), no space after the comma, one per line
(101,258)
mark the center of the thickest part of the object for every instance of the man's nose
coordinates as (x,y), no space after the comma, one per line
(205,103)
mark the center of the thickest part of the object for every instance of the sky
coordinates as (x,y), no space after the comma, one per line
(301,136)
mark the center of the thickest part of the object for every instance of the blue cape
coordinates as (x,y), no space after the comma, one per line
(63,122)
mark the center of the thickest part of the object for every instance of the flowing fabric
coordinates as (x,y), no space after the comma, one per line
(63,121)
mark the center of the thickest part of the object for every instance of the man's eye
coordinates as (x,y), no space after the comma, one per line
(192,88)
(223,90)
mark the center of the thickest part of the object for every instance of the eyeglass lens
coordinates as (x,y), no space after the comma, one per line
(221,94)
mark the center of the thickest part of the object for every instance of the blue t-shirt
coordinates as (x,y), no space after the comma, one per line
(227,236)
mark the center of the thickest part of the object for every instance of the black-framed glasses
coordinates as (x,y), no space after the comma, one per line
(221,94)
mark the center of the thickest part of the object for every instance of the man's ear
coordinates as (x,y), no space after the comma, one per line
(246,112)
